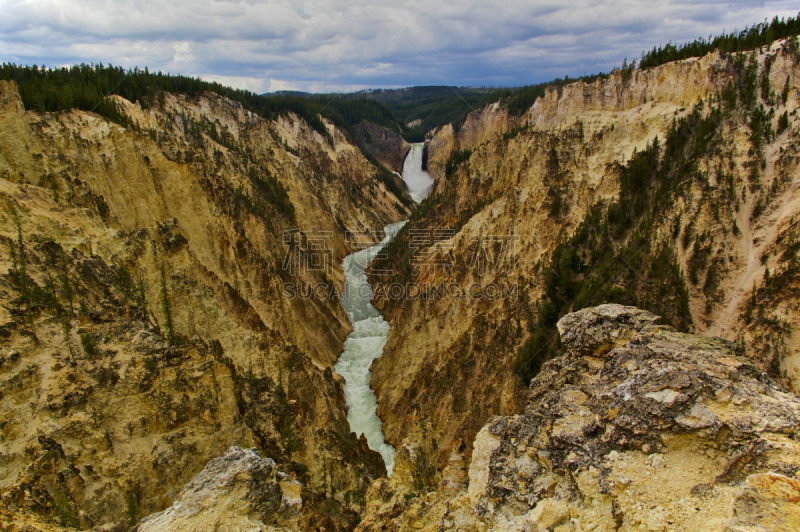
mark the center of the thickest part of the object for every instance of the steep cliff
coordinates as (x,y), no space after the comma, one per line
(389,148)
(672,188)
(145,327)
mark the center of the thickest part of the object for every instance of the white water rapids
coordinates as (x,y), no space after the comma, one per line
(370,331)
(362,346)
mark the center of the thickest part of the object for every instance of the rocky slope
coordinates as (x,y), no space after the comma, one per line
(724,217)
(636,427)
(145,327)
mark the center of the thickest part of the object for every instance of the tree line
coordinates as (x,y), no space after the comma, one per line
(750,38)
(88,87)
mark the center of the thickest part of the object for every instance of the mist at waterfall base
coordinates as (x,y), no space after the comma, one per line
(370,331)
(363,345)
(419,182)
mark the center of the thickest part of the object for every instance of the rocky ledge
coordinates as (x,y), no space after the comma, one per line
(636,427)
(237,491)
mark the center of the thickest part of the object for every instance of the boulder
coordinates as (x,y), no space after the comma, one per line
(237,491)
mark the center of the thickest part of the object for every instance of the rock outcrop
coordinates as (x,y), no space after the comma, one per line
(480,126)
(238,491)
(636,427)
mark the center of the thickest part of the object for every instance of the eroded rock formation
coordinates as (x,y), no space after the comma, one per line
(729,227)
(636,427)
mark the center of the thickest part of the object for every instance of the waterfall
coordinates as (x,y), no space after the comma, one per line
(419,182)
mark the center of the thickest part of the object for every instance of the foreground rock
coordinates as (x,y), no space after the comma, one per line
(237,491)
(637,427)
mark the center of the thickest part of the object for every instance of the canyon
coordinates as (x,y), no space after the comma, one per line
(597,329)
(145,328)
(364,344)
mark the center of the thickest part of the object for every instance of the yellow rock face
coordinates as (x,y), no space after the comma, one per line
(448,360)
(642,469)
(150,330)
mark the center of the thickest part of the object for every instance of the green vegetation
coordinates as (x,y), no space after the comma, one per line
(611,257)
(125,284)
(89,345)
(347,112)
(269,195)
(512,133)
(66,287)
(519,100)
(391,181)
(89,87)
(285,421)
(437,106)
(141,293)
(32,296)
(783,122)
(166,307)
(106,376)
(132,511)
(150,363)
(458,157)
(433,106)
(748,39)
(66,513)
(194,130)
(787,87)
(392,185)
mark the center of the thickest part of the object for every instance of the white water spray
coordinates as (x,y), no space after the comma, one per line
(419,182)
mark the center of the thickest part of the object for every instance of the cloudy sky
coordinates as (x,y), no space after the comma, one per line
(332,45)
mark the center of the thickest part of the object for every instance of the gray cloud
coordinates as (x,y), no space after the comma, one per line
(331,45)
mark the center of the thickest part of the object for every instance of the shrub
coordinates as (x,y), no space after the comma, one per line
(89,345)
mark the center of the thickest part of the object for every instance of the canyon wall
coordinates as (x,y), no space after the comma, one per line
(389,148)
(146,336)
(145,327)
(520,187)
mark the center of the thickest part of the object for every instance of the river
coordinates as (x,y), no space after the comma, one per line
(370,331)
